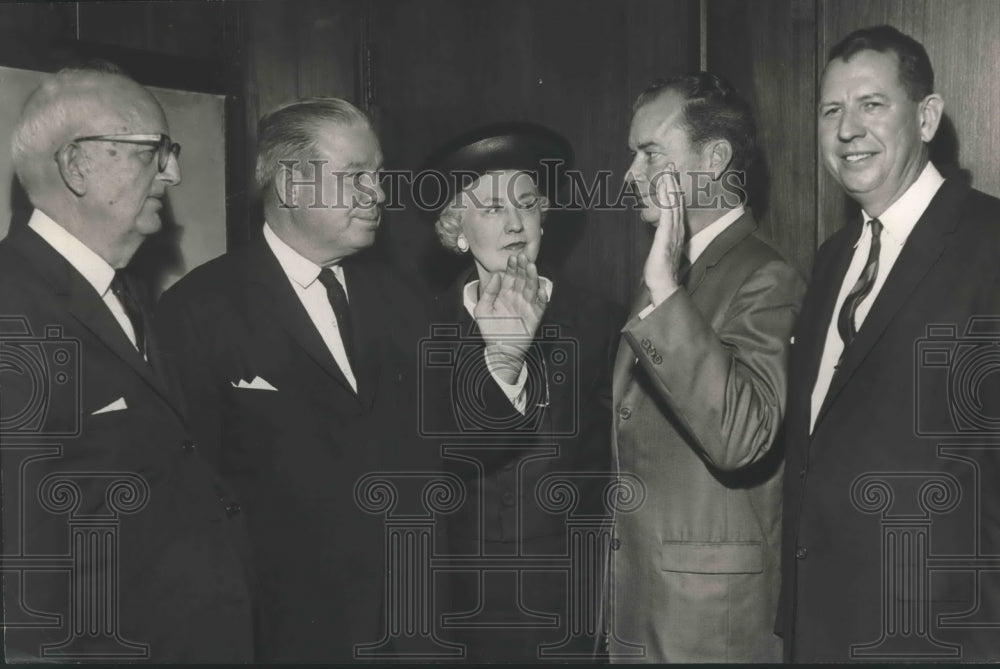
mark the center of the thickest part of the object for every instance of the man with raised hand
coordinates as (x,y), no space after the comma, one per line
(699,392)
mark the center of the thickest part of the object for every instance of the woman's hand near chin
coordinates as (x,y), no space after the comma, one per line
(508,313)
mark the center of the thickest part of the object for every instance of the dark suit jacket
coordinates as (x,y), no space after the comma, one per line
(572,435)
(182,582)
(295,454)
(699,389)
(879,455)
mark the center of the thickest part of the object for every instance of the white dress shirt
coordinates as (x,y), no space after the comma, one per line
(700,241)
(84,260)
(303,274)
(514,392)
(897,223)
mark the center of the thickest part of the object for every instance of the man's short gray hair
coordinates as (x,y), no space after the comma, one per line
(56,105)
(289,132)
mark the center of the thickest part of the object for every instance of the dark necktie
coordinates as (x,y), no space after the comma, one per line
(122,287)
(341,309)
(863,286)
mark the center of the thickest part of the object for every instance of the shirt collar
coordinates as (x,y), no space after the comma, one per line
(700,240)
(902,215)
(299,269)
(84,260)
(470,294)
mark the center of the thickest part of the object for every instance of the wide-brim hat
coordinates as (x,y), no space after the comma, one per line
(517,145)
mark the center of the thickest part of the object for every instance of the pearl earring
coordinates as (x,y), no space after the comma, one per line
(462,243)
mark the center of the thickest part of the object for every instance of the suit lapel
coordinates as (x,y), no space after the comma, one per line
(272,290)
(741,228)
(367,309)
(453,310)
(163,372)
(86,306)
(924,246)
(815,323)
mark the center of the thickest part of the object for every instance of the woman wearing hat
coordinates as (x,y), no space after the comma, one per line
(530,397)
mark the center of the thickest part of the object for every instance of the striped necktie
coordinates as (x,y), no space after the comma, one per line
(863,286)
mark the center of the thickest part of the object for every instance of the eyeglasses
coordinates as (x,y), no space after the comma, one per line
(164,147)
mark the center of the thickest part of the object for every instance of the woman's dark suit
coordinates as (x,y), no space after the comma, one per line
(571,435)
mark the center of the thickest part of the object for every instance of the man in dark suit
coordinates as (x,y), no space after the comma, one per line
(890,488)
(298,357)
(699,392)
(118,543)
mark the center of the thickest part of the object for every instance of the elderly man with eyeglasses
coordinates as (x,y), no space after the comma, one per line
(118,541)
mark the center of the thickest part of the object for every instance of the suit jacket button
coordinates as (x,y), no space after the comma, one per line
(507,498)
(188,446)
(801,552)
(233,509)
(616,543)
(624,413)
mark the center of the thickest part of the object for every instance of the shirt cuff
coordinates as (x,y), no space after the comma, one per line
(650,307)
(515,391)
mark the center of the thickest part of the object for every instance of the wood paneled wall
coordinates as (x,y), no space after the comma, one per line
(430,69)
(768,51)
(438,67)
(446,66)
(775,52)
(292,49)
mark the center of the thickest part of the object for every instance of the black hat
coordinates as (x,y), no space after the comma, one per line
(514,145)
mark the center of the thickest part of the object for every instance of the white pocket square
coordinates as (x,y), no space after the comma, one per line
(117,405)
(257,384)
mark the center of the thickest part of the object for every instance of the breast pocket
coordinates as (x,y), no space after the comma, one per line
(712,557)
(254,415)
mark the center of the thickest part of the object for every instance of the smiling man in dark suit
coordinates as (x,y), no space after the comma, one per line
(883,471)
(118,536)
(297,355)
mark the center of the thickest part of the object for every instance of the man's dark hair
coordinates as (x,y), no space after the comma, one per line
(714,110)
(915,71)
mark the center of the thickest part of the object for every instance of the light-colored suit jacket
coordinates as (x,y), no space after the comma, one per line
(699,391)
